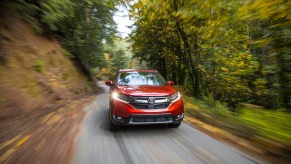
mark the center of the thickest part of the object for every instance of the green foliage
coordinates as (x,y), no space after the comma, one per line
(234,51)
(30,10)
(81,25)
(270,24)
(55,11)
(94,71)
(278,130)
(89,88)
(67,53)
(113,60)
(38,66)
(249,120)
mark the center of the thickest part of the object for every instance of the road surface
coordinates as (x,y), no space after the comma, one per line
(146,144)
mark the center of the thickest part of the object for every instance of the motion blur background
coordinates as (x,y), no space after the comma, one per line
(231,60)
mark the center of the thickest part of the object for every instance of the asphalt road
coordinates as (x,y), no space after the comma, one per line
(146,144)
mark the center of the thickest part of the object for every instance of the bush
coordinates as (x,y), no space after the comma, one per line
(38,66)
(67,53)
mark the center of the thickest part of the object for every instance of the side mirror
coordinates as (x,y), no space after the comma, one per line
(171,82)
(109,83)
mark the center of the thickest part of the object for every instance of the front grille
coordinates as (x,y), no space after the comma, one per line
(151,119)
(150,106)
(142,102)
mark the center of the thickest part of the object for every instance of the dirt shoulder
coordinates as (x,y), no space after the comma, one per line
(42,94)
(43,136)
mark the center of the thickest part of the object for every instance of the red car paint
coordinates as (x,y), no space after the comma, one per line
(144,97)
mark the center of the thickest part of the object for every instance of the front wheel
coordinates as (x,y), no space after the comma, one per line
(112,126)
(175,125)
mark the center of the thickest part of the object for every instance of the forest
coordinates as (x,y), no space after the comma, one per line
(85,28)
(231,51)
(230,59)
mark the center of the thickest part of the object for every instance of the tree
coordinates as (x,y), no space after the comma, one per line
(81,25)
(270,33)
(215,47)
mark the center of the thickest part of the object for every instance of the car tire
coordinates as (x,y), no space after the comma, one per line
(113,127)
(174,125)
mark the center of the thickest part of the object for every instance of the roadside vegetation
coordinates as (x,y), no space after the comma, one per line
(85,28)
(48,51)
(233,51)
(230,59)
(248,121)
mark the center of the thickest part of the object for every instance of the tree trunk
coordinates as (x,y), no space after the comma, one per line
(164,67)
(193,71)
(174,75)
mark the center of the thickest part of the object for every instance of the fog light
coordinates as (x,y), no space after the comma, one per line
(118,118)
(180,116)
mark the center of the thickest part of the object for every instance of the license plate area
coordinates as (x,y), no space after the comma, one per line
(150,119)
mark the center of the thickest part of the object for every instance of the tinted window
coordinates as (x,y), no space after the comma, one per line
(140,78)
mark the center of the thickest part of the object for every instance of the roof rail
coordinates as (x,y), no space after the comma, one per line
(136,69)
(126,69)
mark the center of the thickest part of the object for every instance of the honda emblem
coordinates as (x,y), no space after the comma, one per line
(151,100)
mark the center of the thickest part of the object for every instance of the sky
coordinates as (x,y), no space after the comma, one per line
(121,17)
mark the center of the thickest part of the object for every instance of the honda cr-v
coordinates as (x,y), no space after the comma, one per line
(143,97)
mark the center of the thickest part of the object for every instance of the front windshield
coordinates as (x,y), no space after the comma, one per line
(140,78)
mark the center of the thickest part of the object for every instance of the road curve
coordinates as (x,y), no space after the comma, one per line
(146,144)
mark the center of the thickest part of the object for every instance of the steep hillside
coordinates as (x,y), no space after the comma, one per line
(35,71)
(42,93)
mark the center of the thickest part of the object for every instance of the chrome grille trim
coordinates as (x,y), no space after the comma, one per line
(142,102)
(144,99)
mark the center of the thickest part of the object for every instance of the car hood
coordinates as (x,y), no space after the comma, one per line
(165,90)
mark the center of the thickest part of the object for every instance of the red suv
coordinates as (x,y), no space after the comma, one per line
(143,97)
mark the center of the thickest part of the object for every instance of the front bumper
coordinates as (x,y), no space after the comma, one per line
(147,119)
(125,114)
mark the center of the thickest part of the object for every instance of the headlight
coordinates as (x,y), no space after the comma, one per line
(174,97)
(121,97)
